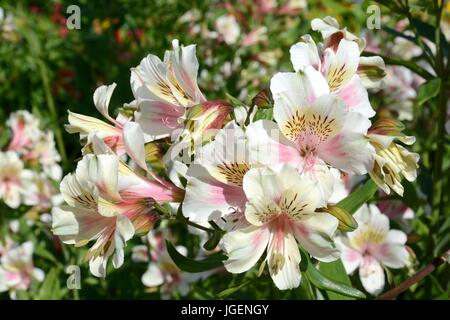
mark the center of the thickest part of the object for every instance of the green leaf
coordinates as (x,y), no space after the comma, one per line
(214,240)
(263,114)
(358,197)
(227,292)
(50,286)
(335,271)
(428,90)
(235,102)
(193,266)
(322,281)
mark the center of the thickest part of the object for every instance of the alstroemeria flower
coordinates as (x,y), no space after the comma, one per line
(111,134)
(164,90)
(392,161)
(14,179)
(43,151)
(280,213)
(16,268)
(372,246)
(107,202)
(162,272)
(339,69)
(316,130)
(214,180)
(25,129)
(370,69)
(228,28)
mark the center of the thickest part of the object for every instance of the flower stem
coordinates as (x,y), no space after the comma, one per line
(52,110)
(180,218)
(392,294)
(442,115)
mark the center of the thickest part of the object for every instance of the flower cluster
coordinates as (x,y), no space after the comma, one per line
(16,267)
(29,165)
(270,185)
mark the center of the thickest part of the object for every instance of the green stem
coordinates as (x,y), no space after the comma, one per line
(442,116)
(52,110)
(398,62)
(180,218)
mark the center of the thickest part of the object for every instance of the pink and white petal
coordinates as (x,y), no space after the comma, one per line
(396,256)
(158,119)
(348,151)
(244,247)
(283,257)
(350,257)
(133,138)
(356,98)
(341,66)
(84,125)
(185,69)
(293,92)
(149,81)
(326,26)
(103,172)
(153,277)
(206,197)
(372,275)
(102,97)
(315,235)
(268,146)
(304,54)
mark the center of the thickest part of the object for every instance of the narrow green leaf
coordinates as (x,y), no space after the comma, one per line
(193,266)
(227,292)
(235,102)
(335,271)
(428,90)
(49,286)
(322,281)
(358,197)
(263,114)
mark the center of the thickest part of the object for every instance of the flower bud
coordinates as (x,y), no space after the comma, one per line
(346,221)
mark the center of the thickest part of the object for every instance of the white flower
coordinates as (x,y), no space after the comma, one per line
(392,161)
(164,90)
(313,131)
(281,214)
(214,180)
(86,126)
(107,203)
(16,267)
(228,28)
(14,179)
(371,246)
(162,271)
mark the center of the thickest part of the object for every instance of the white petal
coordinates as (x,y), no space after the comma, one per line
(244,247)
(133,139)
(283,257)
(351,258)
(153,277)
(304,54)
(102,96)
(315,235)
(372,275)
(207,198)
